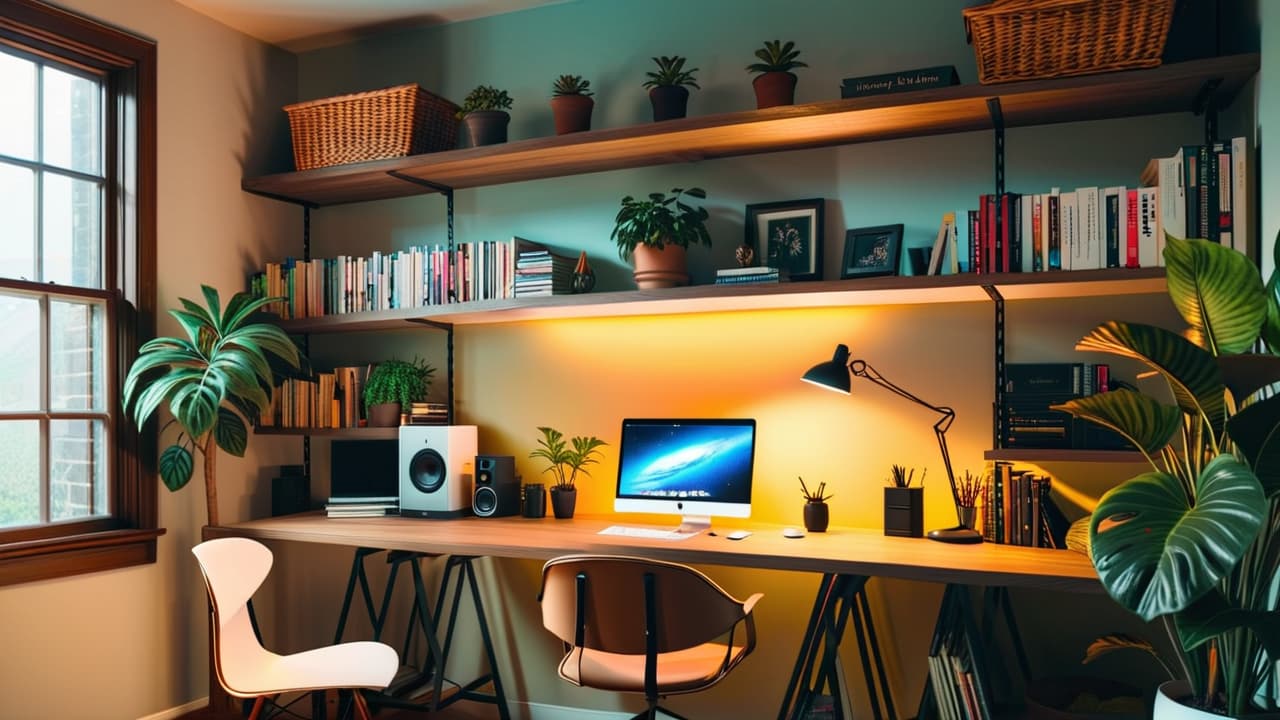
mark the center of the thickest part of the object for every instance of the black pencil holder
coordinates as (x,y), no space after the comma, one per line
(535,500)
(904,511)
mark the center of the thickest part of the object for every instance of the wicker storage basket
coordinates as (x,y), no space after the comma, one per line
(394,122)
(1033,39)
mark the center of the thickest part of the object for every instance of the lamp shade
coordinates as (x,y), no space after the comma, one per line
(832,374)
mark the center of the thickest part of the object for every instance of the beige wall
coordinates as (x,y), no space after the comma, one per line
(129,643)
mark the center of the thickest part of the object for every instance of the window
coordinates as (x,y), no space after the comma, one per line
(77,292)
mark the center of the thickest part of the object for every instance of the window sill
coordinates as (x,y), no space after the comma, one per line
(28,561)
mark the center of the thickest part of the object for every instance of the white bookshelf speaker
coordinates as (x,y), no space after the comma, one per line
(437,464)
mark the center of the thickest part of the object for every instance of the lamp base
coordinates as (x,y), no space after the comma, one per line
(958,535)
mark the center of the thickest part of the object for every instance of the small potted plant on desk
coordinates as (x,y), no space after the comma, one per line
(567,460)
(776,84)
(904,504)
(657,231)
(392,388)
(669,87)
(484,112)
(817,514)
(571,104)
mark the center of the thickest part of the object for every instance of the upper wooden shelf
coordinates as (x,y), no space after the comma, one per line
(350,433)
(721,298)
(1169,88)
(1065,455)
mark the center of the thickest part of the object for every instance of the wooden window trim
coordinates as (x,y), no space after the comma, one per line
(129,538)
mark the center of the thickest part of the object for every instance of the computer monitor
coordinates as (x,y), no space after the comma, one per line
(694,468)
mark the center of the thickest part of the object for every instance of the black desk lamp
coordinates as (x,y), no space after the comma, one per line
(834,375)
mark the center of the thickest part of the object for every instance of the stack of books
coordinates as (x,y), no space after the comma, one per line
(429,413)
(349,507)
(540,272)
(747,275)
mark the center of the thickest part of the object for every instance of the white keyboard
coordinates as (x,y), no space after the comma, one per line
(644,532)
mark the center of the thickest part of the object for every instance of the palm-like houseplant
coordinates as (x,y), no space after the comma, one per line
(657,231)
(566,459)
(216,381)
(1196,540)
(669,87)
(775,84)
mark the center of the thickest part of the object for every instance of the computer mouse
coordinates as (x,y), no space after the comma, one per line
(739,534)
(792,533)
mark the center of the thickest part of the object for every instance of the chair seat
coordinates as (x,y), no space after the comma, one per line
(678,671)
(348,665)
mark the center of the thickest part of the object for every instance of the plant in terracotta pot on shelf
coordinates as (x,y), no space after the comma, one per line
(567,459)
(1195,540)
(392,388)
(657,231)
(484,113)
(217,381)
(776,84)
(571,104)
(669,87)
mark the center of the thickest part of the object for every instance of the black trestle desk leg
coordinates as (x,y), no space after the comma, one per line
(874,644)
(792,702)
(357,575)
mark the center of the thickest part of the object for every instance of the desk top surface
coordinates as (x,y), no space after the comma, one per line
(853,551)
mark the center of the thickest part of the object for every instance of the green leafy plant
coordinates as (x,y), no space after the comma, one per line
(777,57)
(398,381)
(485,97)
(571,85)
(659,221)
(567,459)
(671,73)
(1196,540)
(216,381)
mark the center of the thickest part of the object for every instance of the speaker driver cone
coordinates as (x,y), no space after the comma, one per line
(427,470)
(486,501)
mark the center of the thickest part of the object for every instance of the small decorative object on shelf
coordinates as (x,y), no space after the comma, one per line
(789,234)
(901,81)
(776,84)
(484,112)
(669,87)
(745,255)
(535,500)
(584,278)
(968,490)
(567,460)
(657,231)
(392,389)
(817,514)
(904,504)
(571,104)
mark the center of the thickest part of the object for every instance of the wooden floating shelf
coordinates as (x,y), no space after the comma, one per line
(962,108)
(724,298)
(355,433)
(1065,455)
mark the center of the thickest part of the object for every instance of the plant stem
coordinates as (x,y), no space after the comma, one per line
(210,450)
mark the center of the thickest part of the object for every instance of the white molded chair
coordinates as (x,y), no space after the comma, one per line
(644,626)
(233,569)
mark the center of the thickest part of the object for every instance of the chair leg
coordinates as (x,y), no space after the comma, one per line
(258,703)
(361,705)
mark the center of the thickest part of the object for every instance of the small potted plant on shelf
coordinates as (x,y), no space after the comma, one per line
(657,231)
(484,113)
(571,104)
(392,388)
(567,460)
(217,381)
(669,87)
(817,514)
(776,84)
(904,503)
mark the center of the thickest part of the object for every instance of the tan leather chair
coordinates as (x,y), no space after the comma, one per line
(643,626)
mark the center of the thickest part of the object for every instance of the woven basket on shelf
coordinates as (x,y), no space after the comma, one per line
(394,122)
(1035,39)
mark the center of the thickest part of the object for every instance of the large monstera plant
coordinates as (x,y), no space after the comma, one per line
(216,382)
(1196,540)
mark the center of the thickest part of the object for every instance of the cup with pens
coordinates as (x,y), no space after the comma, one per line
(817,514)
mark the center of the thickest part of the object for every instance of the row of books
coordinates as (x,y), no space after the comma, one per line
(747,275)
(1205,192)
(335,400)
(955,677)
(1018,510)
(1031,389)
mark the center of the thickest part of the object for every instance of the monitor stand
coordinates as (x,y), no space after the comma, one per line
(694,524)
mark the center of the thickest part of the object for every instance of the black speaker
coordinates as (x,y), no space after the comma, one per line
(290,492)
(497,491)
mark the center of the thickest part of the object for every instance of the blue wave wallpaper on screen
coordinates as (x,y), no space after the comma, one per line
(673,459)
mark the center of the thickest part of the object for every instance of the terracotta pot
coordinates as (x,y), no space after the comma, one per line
(817,515)
(669,102)
(660,267)
(572,113)
(563,502)
(384,415)
(775,88)
(486,127)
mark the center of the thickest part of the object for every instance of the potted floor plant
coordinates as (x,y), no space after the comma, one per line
(1195,541)
(776,84)
(567,459)
(391,389)
(571,104)
(669,87)
(216,381)
(657,231)
(484,113)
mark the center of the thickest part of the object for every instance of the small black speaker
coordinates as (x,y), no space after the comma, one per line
(497,492)
(290,492)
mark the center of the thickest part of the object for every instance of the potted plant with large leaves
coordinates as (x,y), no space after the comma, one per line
(1195,541)
(566,460)
(216,381)
(657,231)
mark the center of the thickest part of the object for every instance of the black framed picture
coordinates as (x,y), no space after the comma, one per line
(788,236)
(872,251)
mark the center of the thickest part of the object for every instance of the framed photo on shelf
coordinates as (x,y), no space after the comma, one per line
(788,235)
(872,251)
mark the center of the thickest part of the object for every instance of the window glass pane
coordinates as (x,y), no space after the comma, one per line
(77,356)
(18,121)
(18,223)
(19,355)
(72,121)
(19,472)
(72,240)
(77,469)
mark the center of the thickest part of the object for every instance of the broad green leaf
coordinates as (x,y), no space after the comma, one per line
(162,389)
(230,432)
(195,406)
(242,308)
(1218,292)
(175,467)
(1192,372)
(1212,615)
(194,309)
(1143,421)
(1256,432)
(1155,554)
(193,325)
(261,337)
(1078,536)
(1271,325)
(212,302)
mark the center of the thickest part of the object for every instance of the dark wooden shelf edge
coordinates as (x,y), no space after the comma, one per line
(361,433)
(1065,455)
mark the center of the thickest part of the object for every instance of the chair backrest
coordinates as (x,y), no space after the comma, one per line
(690,608)
(233,569)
